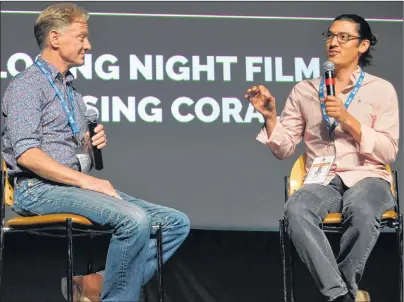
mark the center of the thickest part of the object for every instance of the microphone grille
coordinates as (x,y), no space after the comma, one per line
(329,66)
(91,115)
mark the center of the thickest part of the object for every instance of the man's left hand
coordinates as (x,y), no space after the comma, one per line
(100,138)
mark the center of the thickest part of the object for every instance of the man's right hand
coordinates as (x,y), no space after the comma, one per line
(45,166)
(262,100)
(99,185)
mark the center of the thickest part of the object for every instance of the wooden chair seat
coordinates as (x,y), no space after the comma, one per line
(47,219)
(336,218)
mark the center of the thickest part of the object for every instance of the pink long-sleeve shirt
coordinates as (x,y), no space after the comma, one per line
(375,106)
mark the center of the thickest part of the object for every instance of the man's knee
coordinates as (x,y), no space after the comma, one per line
(136,221)
(179,221)
(184,222)
(301,206)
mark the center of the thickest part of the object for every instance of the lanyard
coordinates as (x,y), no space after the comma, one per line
(69,113)
(332,127)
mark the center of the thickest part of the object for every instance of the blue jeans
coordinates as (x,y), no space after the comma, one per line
(362,207)
(131,259)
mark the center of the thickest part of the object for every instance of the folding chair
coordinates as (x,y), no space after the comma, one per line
(63,225)
(332,223)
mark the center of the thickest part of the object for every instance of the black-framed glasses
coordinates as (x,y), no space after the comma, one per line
(341,37)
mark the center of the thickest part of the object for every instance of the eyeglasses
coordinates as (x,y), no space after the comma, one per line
(341,37)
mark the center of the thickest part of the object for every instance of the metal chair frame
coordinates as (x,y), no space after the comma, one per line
(286,243)
(69,229)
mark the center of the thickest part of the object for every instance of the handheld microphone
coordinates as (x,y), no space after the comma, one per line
(329,75)
(91,118)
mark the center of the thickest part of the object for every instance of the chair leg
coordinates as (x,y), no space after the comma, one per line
(290,264)
(399,234)
(283,258)
(90,256)
(286,245)
(69,237)
(159,239)
(1,253)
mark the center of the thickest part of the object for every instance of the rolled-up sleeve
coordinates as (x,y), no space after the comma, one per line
(381,141)
(22,107)
(288,130)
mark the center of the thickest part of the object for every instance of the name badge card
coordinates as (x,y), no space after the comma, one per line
(319,170)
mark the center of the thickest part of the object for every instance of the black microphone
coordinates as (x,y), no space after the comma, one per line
(329,75)
(91,117)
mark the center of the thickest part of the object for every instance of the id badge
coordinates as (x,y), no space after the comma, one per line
(83,154)
(319,170)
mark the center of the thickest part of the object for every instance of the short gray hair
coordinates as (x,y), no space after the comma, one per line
(57,16)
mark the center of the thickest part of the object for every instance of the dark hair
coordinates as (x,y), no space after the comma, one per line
(365,33)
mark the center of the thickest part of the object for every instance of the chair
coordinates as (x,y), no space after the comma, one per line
(332,224)
(64,225)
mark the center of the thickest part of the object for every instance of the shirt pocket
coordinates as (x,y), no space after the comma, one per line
(363,111)
(312,112)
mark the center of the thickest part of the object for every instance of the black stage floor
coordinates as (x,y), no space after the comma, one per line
(211,266)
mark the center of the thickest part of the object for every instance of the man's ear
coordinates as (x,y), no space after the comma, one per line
(364,46)
(53,39)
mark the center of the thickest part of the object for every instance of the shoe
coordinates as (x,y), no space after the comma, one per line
(77,294)
(85,288)
(362,296)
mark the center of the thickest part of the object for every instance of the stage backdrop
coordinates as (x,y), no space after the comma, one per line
(168,80)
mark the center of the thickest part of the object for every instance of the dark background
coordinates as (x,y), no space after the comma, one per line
(215,172)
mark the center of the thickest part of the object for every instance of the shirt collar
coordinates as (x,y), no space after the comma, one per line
(55,73)
(353,79)
(355,75)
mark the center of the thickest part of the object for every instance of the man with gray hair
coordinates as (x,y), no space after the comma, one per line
(45,145)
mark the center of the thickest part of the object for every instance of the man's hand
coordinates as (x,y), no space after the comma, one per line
(262,100)
(336,109)
(349,124)
(99,185)
(264,103)
(45,166)
(100,138)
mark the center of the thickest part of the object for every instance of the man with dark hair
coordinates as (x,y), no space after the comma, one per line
(359,129)
(45,145)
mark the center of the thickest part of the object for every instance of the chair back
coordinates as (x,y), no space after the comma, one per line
(296,176)
(8,185)
(298,172)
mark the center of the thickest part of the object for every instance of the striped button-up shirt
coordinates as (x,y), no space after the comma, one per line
(375,106)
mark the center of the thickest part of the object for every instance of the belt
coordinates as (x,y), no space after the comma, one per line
(23,176)
(29,175)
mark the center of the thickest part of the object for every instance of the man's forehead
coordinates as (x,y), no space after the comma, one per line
(343,26)
(79,25)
